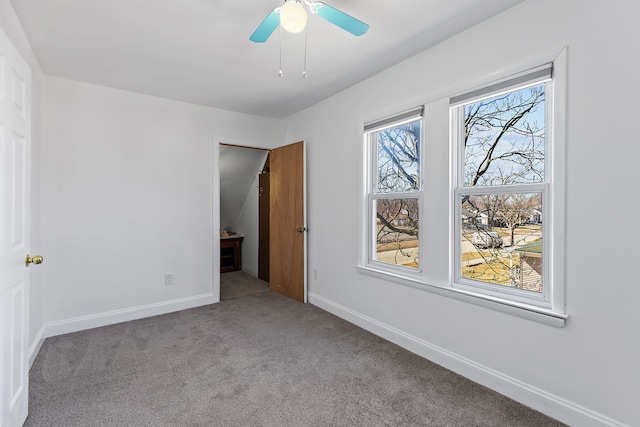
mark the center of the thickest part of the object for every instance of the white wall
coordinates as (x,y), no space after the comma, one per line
(585,373)
(247,225)
(11,26)
(130,192)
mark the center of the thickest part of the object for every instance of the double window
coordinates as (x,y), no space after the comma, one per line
(505,198)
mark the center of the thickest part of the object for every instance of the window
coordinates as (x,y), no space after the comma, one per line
(477,213)
(394,192)
(502,189)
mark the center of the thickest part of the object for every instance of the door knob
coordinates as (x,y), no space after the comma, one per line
(36,259)
(301,229)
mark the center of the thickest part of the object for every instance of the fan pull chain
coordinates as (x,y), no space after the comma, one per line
(280,72)
(306,36)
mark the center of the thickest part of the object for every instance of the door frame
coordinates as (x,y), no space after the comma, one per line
(217,142)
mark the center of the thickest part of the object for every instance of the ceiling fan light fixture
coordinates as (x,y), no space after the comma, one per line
(293,16)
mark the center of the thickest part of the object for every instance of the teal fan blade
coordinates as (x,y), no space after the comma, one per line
(339,18)
(264,30)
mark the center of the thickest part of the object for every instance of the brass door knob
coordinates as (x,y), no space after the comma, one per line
(36,259)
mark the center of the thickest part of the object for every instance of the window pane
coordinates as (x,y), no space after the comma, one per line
(504,139)
(502,239)
(397,232)
(398,156)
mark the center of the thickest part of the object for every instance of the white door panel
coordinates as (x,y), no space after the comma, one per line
(15,122)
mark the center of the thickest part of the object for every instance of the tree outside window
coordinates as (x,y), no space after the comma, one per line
(503,185)
(395,194)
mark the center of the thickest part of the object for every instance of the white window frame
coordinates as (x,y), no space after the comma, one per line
(370,143)
(551,299)
(457,118)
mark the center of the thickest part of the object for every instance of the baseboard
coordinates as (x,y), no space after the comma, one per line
(34,349)
(560,409)
(125,315)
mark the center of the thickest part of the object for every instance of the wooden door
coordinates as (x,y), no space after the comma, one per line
(263,225)
(15,172)
(287,266)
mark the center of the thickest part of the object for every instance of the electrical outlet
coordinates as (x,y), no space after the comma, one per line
(168,279)
(315,273)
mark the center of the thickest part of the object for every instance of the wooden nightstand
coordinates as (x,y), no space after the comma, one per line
(230,253)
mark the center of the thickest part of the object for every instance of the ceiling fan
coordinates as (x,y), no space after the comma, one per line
(292,17)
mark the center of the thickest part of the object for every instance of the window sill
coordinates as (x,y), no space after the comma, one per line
(524,311)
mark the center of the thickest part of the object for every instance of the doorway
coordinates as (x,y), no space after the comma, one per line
(255,200)
(240,167)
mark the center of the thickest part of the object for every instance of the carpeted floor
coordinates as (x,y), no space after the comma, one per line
(255,360)
(238,284)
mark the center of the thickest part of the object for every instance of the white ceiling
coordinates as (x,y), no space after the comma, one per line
(198,51)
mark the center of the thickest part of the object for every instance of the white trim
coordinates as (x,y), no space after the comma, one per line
(549,404)
(514,308)
(36,345)
(364,153)
(558,220)
(395,120)
(117,316)
(524,79)
(305,224)
(215,217)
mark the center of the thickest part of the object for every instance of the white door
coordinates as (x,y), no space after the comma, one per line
(15,161)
